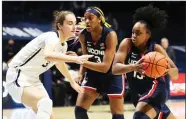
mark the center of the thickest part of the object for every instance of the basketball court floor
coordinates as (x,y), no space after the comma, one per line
(95,112)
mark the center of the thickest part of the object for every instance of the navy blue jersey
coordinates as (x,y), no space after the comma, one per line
(97,49)
(144,88)
(108,83)
(137,82)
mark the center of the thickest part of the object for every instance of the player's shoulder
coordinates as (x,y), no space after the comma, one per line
(108,31)
(47,35)
(50,34)
(126,42)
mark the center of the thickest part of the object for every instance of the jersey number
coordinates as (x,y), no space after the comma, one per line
(46,64)
(98,59)
(137,75)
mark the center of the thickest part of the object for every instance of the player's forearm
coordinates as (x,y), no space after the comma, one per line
(120,68)
(58,57)
(99,67)
(62,67)
(82,70)
(173,72)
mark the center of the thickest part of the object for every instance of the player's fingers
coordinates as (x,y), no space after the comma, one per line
(89,56)
(168,66)
(141,60)
(79,81)
(141,71)
(76,80)
(140,66)
(80,62)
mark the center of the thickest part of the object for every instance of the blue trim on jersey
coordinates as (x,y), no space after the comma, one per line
(16,81)
(57,33)
(30,57)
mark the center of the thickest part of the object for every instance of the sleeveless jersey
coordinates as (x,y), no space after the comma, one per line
(137,82)
(96,49)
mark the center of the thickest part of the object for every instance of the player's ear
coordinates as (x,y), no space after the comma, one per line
(148,35)
(99,19)
(59,26)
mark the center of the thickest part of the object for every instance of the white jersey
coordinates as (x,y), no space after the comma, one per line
(31,60)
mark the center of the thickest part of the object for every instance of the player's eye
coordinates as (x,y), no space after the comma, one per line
(70,23)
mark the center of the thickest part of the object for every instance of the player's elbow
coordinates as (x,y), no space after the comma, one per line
(47,56)
(105,69)
(114,71)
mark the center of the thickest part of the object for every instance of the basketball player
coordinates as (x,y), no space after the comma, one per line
(38,56)
(99,40)
(148,95)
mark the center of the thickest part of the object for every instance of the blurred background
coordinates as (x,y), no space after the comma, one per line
(24,20)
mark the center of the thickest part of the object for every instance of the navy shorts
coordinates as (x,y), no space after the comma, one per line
(156,97)
(164,112)
(113,85)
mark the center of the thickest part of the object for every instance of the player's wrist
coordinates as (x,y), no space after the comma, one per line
(76,58)
(133,67)
(72,82)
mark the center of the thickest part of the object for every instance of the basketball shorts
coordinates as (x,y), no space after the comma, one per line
(113,85)
(16,81)
(156,97)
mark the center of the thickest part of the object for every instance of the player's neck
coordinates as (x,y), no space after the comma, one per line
(142,48)
(97,31)
(62,37)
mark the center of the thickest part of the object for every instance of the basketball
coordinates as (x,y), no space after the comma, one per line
(155,64)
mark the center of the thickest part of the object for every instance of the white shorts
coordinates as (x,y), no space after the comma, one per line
(16,81)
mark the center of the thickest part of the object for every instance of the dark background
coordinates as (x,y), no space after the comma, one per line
(41,12)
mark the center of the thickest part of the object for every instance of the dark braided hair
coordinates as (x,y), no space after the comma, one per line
(153,17)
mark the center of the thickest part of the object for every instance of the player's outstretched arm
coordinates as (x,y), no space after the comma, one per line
(51,55)
(62,67)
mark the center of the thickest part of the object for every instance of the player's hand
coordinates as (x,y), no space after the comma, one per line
(167,70)
(71,53)
(78,79)
(81,59)
(76,87)
(139,66)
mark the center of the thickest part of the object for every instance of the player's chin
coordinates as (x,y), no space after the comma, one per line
(135,44)
(72,35)
(89,29)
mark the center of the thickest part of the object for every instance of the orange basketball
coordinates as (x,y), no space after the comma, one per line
(155,64)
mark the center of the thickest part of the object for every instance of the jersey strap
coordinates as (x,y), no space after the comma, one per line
(57,33)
